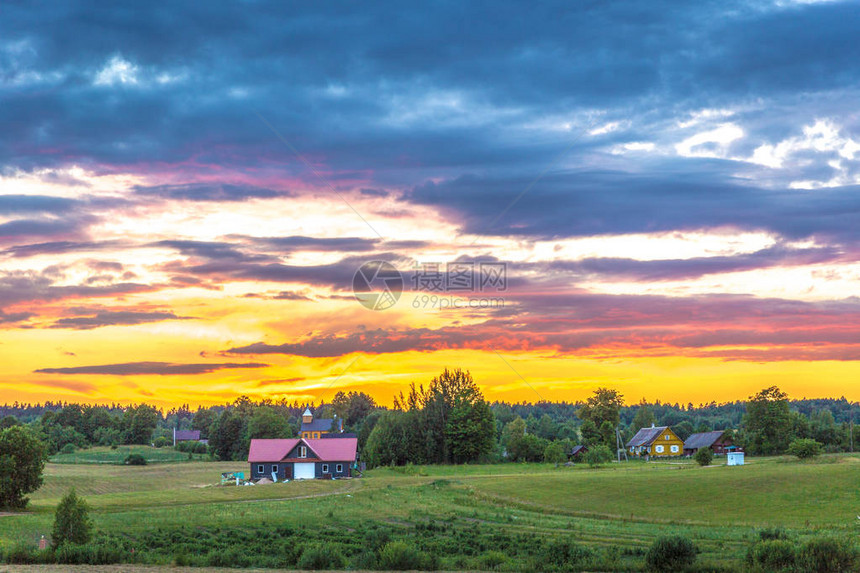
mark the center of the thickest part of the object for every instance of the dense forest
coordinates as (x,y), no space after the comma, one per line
(447,422)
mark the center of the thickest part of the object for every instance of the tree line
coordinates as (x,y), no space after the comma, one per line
(448,421)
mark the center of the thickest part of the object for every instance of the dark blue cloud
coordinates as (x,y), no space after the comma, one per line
(14,204)
(370,85)
(599,203)
(208,192)
(401,97)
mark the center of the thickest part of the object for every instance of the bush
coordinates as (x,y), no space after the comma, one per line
(565,554)
(828,555)
(493,560)
(21,553)
(399,556)
(321,557)
(365,560)
(598,455)
(68,449)
(704,456)
(555,453)
(71,522)
(671,553)
(805,448)
(772,555)
(135,460)
(769,533)
(160,442)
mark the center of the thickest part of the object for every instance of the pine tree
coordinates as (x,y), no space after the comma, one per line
(71,522)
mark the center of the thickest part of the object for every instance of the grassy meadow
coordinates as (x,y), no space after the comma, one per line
(468,514)
(117,455)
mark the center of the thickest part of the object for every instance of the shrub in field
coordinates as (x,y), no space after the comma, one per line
(704,456)
(399,556)
(828,555)
(321,557)
(71,521)
(769,533)
(135,460)
(671,553)
(598,455)
(805,448)
(771,555)
(555,453)
(366,560)
(160,442)
(68,449)
(493,560)
(564,554)
(20,553)
(95,553)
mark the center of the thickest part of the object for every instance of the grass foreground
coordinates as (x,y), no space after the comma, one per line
(491,517)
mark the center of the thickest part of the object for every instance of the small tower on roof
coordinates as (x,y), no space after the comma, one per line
(307,417)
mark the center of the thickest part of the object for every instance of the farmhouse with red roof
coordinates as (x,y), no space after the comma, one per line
(302,458)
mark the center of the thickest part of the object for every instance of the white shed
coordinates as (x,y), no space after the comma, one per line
(735,459)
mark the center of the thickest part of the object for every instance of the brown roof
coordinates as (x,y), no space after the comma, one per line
(184,435)
(702,440)
(645,436)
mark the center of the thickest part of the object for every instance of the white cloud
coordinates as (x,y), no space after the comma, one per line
(632,146)
(120,71)
(705,115)
(712,143)
(605,128)
(824,137)
(117,70)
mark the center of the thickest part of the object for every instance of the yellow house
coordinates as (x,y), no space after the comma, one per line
(315,428)
(656,441)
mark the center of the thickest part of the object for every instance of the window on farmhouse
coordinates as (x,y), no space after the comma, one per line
(260,469)
(274,468)
(674,449)
(339,468)
(325,468)
(303,452)
(659,449)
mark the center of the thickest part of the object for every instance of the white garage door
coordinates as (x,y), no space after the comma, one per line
(304,471)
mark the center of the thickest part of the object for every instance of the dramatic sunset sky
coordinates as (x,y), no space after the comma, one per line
(186,193)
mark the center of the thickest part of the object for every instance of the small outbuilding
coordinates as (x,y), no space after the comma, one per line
(734,458)
(577,452)
(720,442)
(187,436)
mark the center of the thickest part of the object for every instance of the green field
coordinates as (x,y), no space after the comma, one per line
(106,455)
(621,506)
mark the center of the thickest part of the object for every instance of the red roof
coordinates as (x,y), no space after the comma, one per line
(334,449)
(327,450)
(270,450)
